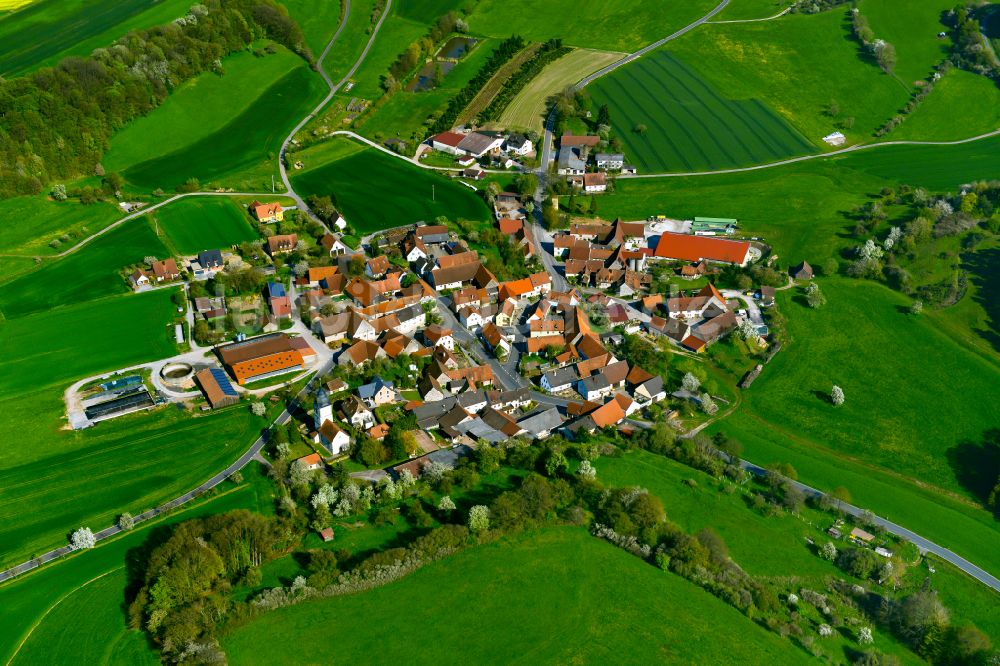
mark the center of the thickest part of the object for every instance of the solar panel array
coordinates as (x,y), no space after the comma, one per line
(223,381)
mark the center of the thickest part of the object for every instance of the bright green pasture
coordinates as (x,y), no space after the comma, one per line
(36,608)
(318,19)
(70,343)
(29,224)
(891,367)
(961,105)
(89,273)
(691,126)
(131,463)
(942,168)
(743,10)
(913,30)
(616,25)
(598,603)
(796,66)
(426,10)
(219,131)
(897,371)
(376,191)
(47,30)
(200,223)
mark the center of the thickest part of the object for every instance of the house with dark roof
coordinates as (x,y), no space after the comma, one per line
(594,387)
(211,260)
(561,379)
(541,424)
(377,392)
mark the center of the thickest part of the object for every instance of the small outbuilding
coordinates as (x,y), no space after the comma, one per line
(802,272)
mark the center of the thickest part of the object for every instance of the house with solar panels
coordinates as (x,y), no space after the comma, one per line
(218,390)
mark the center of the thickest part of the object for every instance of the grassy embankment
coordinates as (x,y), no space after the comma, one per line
(590,591)
(224,131)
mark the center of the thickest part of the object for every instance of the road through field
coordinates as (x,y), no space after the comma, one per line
(326,100)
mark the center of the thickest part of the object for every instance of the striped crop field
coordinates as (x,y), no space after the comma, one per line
(689,125)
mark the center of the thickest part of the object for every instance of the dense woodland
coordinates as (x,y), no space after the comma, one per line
(57,121)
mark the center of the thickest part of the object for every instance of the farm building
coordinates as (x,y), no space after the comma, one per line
(260,357)
(712,226)
(217,389)
(698,248)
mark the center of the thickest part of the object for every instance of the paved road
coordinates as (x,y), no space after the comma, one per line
(326,100)
(412,160)
(923,544)
(758,20)
(507,378)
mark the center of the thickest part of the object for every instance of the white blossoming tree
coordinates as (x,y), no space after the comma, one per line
(837,395)
(479,518)
(586,470)
(82,539)
(446,504)
(828,551)
(865,636)
(690,383)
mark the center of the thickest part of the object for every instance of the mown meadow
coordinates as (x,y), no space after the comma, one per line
(405,194)
(670,119)
(73,610)
(194,224)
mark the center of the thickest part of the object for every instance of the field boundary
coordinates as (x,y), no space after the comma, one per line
(803,158)
(64,597)
(495,84)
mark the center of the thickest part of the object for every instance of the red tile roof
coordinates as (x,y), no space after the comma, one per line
(695,248)
(449,138)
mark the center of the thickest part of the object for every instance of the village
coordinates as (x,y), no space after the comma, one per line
(417,351)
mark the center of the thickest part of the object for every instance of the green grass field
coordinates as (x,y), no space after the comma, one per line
(44,614)
(942,168)
(87,274)
(195,224)
(404,194)
(617,25)
(796,66)
(78,340)
(352,40)
(31,223)
(396,34)
(913,32)
(218,129)
(598,605)
(48,30)
(742,10)
(961,105)
(691,126)
(894,369)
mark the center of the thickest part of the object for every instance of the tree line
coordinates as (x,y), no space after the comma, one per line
(507,49)
(58,120)
(550,51)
